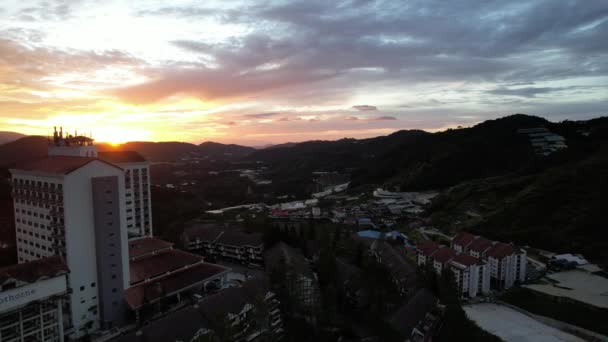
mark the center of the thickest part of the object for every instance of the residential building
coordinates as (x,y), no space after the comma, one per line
(507,265)
(425,251)
(479,247)
(72,206)
(138,202)
(32,300)
(158,272)
(471,274)
(478,263)
(300,280)
(251,311)
(442,257)
(402,272)
(410,318)
(461,242)
(237,314)
(225,242)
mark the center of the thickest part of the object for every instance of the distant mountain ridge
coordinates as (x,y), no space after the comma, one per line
(33,147)
(6,137)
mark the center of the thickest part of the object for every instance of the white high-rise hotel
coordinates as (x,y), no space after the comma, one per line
(76,203)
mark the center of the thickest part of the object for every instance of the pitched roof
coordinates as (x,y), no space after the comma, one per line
(427,247)
(411,313)
(227,235)
(398,266)
(480,245)
(161,263)
(465,259)
(32,271)
(180,325)
(283,254)
(233,300)
(138,295)
(60,165)
(143,246)
(444,254)
(463,239)
(501,250)
(121,157)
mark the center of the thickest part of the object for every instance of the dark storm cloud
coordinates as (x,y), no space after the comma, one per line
(326,45)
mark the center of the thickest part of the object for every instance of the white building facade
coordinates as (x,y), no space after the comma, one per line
(74,206)
(138,202)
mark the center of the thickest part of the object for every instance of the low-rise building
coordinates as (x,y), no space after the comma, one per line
(32,300)
(247,313)
(160,273)
(402,272)
(300,280)
(409,319)
(225,242)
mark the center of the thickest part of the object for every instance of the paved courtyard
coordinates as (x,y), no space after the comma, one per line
(512,326)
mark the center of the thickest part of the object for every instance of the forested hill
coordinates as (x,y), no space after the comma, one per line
(413,159)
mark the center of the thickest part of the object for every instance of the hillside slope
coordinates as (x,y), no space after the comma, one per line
(412,159)
(561,209)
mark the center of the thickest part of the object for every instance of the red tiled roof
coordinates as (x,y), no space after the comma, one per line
(427,247)
(480,244)
(465,259)
(444,254)
(501,250)
(159,264)
(31,271)
(121,157)
(138,295)
(463,239)
(61,165)
(143,246)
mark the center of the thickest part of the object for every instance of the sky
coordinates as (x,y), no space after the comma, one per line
(266,72)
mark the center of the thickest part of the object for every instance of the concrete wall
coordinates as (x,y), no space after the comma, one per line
(81,245)
(106,201)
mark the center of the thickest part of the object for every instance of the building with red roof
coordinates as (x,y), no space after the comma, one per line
(472,275)
(477,263)
(425,250)
(160,272)
(442,257)
(507,265)
(461,241)
(479,247)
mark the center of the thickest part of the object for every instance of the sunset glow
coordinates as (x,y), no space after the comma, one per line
(255,74)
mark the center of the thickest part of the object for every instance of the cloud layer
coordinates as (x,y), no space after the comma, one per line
(293,70)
